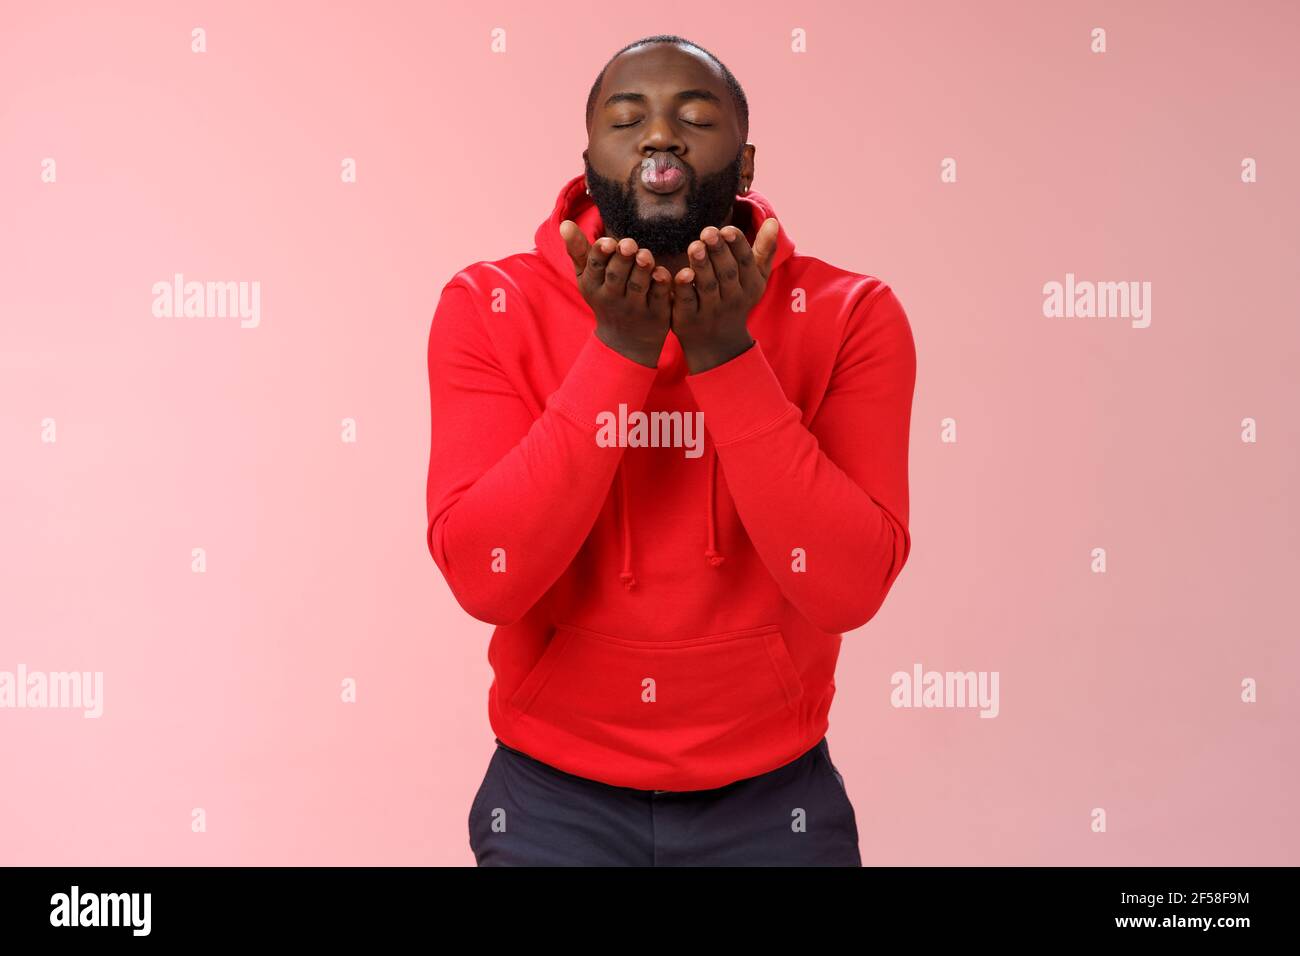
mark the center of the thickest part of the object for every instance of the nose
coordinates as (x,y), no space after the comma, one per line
(661,136)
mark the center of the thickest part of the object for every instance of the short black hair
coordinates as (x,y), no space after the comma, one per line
(733,85)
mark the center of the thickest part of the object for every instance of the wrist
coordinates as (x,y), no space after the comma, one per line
(638,352)
(702,358)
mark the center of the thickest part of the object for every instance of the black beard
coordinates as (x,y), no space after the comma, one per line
(708,201)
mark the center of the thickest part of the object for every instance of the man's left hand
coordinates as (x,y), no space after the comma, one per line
(712,297)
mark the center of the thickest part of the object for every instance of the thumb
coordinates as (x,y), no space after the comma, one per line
(575,242)
(765,245)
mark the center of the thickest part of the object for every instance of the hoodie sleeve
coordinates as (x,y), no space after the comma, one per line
(836,489)
(510,497)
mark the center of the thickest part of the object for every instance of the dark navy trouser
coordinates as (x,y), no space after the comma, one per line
(528,813)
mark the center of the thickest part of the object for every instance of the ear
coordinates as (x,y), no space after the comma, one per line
(747,168)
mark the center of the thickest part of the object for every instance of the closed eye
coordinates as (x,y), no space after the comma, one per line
(687,122)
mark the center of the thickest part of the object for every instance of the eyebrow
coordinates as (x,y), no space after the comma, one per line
(640,98)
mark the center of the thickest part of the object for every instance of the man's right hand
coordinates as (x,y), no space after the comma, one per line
(630,296)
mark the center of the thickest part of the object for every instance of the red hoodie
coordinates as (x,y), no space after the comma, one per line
(666,621)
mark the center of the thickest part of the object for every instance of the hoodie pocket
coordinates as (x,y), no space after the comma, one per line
(599,684)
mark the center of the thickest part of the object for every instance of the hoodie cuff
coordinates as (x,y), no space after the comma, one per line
(740,397)
(598,381)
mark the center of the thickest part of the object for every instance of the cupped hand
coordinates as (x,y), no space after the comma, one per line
(630,296)
(713,296)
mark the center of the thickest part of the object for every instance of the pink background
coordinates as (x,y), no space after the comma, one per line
(221,690)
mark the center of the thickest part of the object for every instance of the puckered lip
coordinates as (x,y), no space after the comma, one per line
(662,161)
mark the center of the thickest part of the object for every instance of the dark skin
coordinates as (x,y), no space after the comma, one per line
(704,293)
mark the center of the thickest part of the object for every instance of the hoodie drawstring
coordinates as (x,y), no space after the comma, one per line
(714,556)
(712,553)
(626,575)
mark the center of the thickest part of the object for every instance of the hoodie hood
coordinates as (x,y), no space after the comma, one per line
(574,203)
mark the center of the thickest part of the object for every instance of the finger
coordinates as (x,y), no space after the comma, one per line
(616,272)
(765,246)
(638,282)
(661,296)
(686,302)
(706,283)
(593,274)
(575,243)
(746,265)
(723,262)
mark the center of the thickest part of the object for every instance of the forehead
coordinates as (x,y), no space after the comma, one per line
(662,67)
